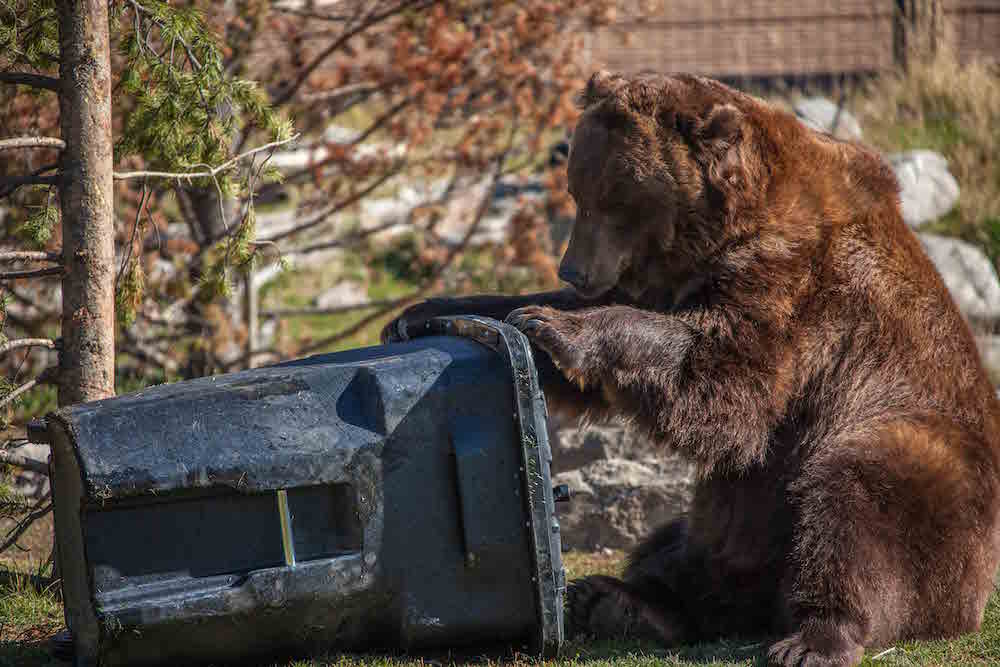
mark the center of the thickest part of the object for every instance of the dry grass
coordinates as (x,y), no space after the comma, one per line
(953,108)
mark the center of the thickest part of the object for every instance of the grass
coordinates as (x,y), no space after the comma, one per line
(30,613)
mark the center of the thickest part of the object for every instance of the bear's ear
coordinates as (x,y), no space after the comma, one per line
(602,85)
(718,138)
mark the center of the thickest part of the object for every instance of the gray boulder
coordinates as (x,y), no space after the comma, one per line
(969,275)
(823,115)
(927,189)
(616,502)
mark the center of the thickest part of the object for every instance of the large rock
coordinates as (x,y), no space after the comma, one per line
(969,275)
(927,188)
(821,114)
(615,503)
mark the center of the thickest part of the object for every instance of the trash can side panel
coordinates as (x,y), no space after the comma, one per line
(444,596)
(68,500)
(531,416)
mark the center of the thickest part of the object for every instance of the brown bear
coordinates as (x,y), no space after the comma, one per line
(745,290)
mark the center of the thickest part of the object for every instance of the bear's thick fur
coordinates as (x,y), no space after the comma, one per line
(746,291)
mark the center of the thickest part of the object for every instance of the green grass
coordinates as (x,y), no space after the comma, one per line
(30,614)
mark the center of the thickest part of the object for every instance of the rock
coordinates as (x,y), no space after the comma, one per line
(574,448)
(31,485)
(821,114)
(927,188)
(989,351)
(345,293)
(616,502)
(968,273)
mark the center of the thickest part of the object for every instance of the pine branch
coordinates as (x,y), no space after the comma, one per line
(209,173)
(23,462)
(32,142)
(30,256)
(139,9)
(27,342)
(34,80)
(34,273)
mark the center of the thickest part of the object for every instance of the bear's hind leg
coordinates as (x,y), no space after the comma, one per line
(644,604)
(882,541)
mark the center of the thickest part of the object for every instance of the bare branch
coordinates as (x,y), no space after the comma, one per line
(146,354)
(429,284)
(209,173)
(24,462)
(30,256)
(343,91)
(32,142)
(11,182)
(17,531)
(45,376)
(35,273)
(294,86)
(304,312)
(365,321)
(34,80)
(27,342)
(326,212)
(349,239)
(305,172)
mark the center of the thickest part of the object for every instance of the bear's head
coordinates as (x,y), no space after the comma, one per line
(658,167)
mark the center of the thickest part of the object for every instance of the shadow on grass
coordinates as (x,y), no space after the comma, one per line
(29,648)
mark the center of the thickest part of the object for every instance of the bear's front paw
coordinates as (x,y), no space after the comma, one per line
(557,333)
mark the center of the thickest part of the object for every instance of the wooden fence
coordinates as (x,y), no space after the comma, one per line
(761,39)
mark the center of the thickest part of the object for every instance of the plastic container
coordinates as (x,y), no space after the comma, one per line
(395,496)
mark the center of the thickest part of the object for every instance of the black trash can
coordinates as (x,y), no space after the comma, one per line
(395,496)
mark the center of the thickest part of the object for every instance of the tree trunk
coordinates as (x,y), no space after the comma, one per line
(87,359)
